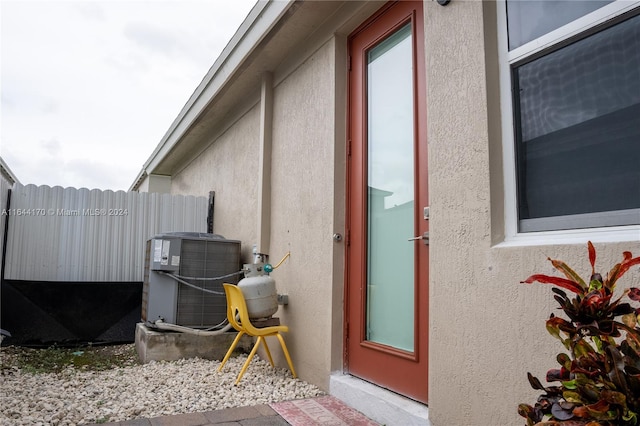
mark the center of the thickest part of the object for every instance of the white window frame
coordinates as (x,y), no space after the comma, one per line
(512,236)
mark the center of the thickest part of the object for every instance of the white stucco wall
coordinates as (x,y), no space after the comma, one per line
(302,208)
(228,166)
(302,201)
(486,330)
(155,183)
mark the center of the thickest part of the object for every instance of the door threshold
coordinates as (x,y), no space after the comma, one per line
(379,404)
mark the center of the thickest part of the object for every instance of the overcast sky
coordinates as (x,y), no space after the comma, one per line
(90,87)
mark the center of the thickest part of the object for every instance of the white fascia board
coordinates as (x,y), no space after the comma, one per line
(6,171)
(139,178)
(261,19)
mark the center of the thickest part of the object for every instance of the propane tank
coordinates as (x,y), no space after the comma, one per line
(258,288)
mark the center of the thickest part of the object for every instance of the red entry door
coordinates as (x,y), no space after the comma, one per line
(387,248)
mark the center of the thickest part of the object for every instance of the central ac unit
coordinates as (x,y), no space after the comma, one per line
(188,256)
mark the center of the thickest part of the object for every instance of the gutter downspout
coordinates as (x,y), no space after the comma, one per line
(264,167)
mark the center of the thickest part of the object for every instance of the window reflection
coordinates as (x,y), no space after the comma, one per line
(528,20)
(578,139)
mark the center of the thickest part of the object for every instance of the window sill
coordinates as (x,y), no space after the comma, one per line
(612,234)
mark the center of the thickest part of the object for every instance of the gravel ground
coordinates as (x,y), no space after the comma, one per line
(77,395)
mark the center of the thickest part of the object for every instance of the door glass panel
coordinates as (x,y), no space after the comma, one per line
(390,200)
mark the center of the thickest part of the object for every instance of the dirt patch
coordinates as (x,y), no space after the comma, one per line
(55,359)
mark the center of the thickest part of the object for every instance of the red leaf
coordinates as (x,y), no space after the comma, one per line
(627,263)
(613,276)
(557,374)
(560,282)
(581,411)
(557,323)
(619,269)
(592,257)
(634,294)
(568,272)
(599,409)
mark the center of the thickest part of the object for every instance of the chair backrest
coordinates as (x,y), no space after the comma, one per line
(236,305)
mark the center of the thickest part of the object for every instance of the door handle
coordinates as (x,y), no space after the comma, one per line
(424,237)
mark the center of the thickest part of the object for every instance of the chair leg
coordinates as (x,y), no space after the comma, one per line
(230,351)
(246,364)
(286,354)
(266,349)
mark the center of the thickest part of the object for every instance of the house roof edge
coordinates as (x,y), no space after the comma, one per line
(258,23)
(6,173)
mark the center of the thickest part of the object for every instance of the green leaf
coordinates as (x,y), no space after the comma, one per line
(568,272)
(630,320)
(582,348)
(555,324)
(571,384)
(571,396)
(612,277)
(598,343)
(590,390)
(613,397)
(595,285)
(630,417)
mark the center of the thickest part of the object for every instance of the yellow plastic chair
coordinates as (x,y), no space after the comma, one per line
(236,305)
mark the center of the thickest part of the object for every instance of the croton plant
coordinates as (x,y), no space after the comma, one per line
(598,382)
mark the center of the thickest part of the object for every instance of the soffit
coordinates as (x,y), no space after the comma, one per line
(300,22)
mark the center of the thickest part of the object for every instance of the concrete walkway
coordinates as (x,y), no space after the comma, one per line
(322,410)
(257,415)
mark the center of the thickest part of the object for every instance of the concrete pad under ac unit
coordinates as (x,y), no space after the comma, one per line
(152,345)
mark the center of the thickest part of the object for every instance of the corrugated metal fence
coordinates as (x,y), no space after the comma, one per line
(69,234)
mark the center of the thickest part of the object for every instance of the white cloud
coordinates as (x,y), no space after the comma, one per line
(90,87)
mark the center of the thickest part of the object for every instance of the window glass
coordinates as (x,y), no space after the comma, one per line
(577,113)
(528,20)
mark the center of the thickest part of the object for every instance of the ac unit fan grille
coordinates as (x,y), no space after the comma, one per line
(205,259)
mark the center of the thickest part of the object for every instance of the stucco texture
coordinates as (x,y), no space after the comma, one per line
(302,200)
(486,329)
(302,208)
(228,166)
